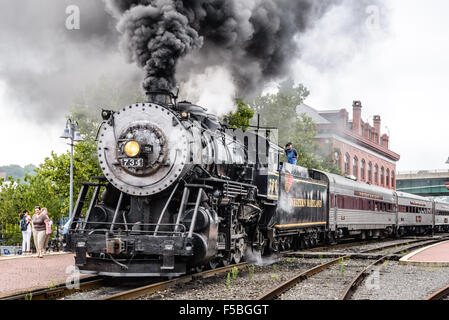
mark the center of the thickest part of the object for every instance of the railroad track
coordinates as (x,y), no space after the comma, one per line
(441,294)
(146,290)
(350,289)
(59,291)
(94,283)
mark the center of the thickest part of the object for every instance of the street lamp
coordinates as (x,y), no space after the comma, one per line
(74,136)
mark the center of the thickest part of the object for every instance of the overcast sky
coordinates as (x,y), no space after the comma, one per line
(399,69)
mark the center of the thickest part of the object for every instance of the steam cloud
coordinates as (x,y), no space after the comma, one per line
(212,48)
(253,39)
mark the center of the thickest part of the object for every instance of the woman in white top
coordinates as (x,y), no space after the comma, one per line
(25,226)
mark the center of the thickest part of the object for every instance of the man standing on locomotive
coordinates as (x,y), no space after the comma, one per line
(292,154)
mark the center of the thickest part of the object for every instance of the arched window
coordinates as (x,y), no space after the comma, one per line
(362,170)
(355,167)
(337,159)
(393,181)
(347,160)
(376,174)
(387,178)
(370,172)
(382,176)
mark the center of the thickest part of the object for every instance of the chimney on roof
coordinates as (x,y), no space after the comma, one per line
(357,117)
(376,121)
(385,140)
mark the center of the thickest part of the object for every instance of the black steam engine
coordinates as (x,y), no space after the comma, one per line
(178,193)
(181,191)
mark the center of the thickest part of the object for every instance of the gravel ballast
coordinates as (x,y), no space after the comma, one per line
(402,282)
(244,287)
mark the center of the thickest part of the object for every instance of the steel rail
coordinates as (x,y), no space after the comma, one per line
(358,279)
(58,292)
(155,287)
(287,285)
(440,294)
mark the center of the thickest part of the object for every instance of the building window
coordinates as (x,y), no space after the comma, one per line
(387,178)
(362,170)
(355,167)
(370,172)
(382,176)
(393,180)
(376,174)
(347,160)
(337,158)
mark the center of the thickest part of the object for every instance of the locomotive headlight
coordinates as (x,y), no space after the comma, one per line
(132,149)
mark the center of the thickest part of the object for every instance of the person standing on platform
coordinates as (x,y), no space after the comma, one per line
(25,227)
(48,230)
(292,154)
(39,221)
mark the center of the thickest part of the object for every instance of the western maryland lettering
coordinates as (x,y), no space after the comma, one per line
(306,203)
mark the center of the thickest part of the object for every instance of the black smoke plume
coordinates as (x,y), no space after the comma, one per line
(253,39)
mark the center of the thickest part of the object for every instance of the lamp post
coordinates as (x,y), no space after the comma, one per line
(74,136)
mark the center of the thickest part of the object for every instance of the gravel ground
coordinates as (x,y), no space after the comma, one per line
(328,284)
(402,282)
(244,287)
(93,294)
(371,246)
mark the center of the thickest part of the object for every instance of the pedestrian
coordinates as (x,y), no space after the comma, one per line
(48,229)
(292,154)
(25,227)
(39,221)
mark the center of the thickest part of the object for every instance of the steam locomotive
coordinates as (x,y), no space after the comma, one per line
(182,191)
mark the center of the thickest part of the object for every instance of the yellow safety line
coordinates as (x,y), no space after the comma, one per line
(299,224)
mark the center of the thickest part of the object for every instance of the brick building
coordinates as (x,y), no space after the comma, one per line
(361,150)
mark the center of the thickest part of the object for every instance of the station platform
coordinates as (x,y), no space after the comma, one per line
(436,255)
(22,274)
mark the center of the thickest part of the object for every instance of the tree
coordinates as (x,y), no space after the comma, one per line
(278,110)
(241,118)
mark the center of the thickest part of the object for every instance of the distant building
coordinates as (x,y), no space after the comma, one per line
(362,150)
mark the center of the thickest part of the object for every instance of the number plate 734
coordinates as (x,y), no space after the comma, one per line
(132,163)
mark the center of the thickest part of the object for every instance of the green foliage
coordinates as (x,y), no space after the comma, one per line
(342,266)
(279,111)
(228,281)
(240,119)
(235,273)
(251,269)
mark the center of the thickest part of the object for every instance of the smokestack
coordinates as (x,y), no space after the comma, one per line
(376,121)
(162,97)
(357,117)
